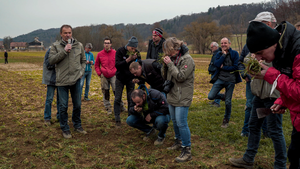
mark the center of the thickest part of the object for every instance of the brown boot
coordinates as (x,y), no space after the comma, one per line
(186,155)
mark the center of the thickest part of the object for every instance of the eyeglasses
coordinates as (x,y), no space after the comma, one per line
(106,43)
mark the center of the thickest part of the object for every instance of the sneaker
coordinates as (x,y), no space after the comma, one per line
(239,162)
(87,99)
(150,134)
(215,105)
(186,155)
(244,134)
(109,112)
(176,145)
(67,134)
(225,123)
(47,122)
(118,124)
(159,141)
(80,130)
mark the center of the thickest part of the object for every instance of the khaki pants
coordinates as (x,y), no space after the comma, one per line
(105,86)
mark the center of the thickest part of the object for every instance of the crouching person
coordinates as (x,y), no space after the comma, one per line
(149,106)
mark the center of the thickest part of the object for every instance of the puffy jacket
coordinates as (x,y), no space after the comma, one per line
(70,66)
(123,74)
(182,75)
(89,57)
(288,53)
(235,61)
(49,74)
(105,63)
(157,50)
(157,105)
(151,74)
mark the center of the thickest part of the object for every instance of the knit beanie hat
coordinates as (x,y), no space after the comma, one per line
(158,32)
(133,42)
(260,36)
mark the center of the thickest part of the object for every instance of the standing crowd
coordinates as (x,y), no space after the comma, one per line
(68,64)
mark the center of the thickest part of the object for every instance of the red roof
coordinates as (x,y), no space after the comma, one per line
(18,44)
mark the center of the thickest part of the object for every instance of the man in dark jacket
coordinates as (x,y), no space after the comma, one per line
(226,62)
(155,45)
(214,46)
(124,57)
(149,106)
(147,71)
(5,56)
(49,79)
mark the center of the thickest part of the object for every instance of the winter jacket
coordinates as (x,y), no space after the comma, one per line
(70,66)
(89,57)
(49,74)
(288,53)
(211,67)
(157,105)
(182,75)
(105,63)
(123,74)
(158,49)
(244,53)
(5,55)
(261,88)
(235,60)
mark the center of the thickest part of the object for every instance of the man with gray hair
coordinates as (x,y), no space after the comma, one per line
(214,46)
(88,71)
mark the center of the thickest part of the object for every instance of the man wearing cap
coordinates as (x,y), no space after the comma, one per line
(69,59)
(155,45)
(281,47)
(124,57)
(88,71)
(258,87)
(225,77)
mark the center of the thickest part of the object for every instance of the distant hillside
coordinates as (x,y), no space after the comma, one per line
(223,15)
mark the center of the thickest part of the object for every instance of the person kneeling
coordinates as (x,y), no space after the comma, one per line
(149,106)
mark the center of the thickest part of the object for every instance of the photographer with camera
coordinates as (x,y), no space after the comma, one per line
(179,68)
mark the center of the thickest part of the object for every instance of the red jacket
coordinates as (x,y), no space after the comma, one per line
(289,90)
(105,63)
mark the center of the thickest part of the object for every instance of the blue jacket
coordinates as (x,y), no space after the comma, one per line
(244,53)
(89,57)
(235,60)
(49,74)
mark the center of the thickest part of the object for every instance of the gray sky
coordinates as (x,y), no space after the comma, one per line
(19,17)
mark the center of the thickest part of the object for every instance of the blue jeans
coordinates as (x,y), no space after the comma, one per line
(179,117)
(63,92)
(294,149)
(48,104)
(249,97)
(214,94)
(160,123)
(87,76)
(274,130)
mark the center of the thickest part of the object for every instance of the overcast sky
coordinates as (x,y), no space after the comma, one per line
(19,17)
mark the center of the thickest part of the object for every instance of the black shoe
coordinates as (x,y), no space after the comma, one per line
(215,105)
(67,134)
(225,123)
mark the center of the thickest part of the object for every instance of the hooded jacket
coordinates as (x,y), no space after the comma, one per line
(105,63)
(157,105)
(287,71)
(70,66)
(123,74)
(182,75)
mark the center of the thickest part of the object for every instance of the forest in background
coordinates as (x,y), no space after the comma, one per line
(197,29)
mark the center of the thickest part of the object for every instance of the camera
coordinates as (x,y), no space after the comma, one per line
(168,86)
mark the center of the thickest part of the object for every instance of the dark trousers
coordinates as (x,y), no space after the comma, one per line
(6,61)
(294,150)
(118,96)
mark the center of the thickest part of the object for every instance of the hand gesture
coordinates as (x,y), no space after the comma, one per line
(278,109)
(167,60)
(148,118)
(262,73)
(137,109)
(135,80)
(68,48)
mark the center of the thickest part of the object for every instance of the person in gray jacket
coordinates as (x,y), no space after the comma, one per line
(68,55)
(49,79)
(178,70)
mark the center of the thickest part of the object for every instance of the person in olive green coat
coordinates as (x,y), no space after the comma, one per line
(69,59)
(178,70)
